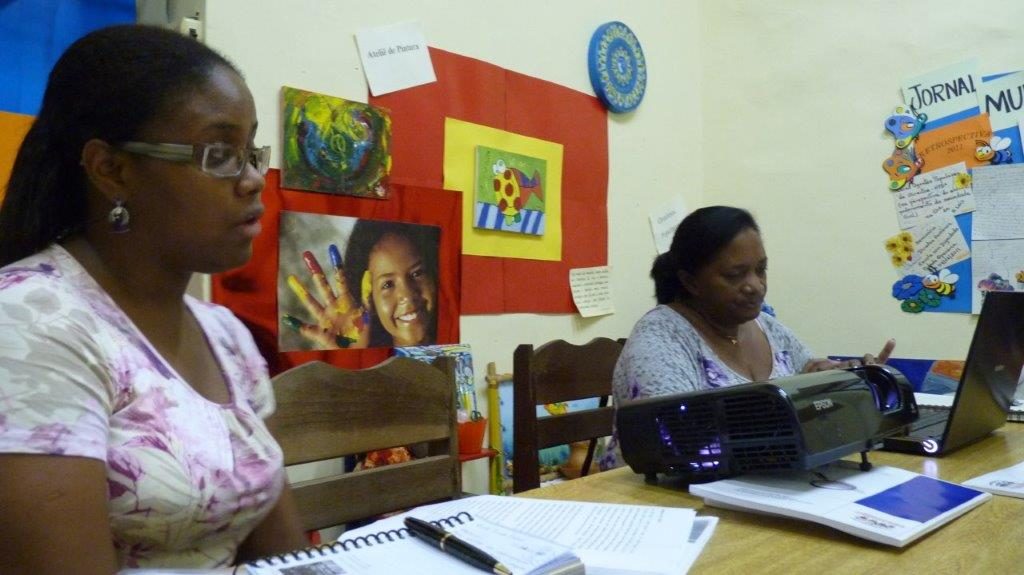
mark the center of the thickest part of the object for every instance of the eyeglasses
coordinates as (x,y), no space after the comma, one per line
(219,160)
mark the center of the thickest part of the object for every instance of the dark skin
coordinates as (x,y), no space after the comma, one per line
(725,300)
(183,221)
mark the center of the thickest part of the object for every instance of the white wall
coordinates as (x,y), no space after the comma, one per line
(774,106)
(654,153)
(795,95)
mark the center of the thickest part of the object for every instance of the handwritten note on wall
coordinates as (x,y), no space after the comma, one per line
(945,191)
(591,290)
(939,243)
(999,214)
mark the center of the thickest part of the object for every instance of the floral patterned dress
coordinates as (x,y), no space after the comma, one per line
(188,479)
(665,354)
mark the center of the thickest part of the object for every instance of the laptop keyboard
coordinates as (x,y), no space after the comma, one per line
(931,416)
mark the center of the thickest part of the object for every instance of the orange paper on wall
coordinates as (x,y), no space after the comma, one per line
(954,143)
(13,128)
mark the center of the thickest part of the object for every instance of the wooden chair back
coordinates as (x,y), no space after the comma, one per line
(325,412)
(559,371)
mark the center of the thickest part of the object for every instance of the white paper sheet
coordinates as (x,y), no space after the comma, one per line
(945,91)
(591,290)
(664,222)
(999,203)
(395,57)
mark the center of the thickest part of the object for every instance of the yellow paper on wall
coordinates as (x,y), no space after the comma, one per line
(460,142)
(13,128)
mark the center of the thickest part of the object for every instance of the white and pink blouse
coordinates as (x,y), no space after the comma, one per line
(188,479)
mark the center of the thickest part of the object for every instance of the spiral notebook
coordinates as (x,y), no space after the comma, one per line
(378,549)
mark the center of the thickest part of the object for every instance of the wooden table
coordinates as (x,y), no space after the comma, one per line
(988,539)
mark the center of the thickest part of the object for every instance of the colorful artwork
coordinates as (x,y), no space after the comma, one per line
(335,146)
(461,140)
(994,151)
(938,376)
(551,459)
(953,143)
(901,166)
(465,386)
(381,289)
(525,106)
(905,125)
(900,248)
(509,192)
(918,293)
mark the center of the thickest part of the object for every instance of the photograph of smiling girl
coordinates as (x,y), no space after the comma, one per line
(377,286)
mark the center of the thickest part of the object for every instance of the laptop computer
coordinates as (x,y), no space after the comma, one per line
(987,384)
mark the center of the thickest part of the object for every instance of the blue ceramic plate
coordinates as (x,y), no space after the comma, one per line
(618,71)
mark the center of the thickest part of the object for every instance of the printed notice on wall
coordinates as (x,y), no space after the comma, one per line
(395,57)
(664,222)
(591,290)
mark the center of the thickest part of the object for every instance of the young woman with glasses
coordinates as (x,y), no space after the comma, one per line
(131,414)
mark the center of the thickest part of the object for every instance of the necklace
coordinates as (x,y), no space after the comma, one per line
(733,339)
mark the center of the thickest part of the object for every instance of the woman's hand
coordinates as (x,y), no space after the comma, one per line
(821,364)
(340,321)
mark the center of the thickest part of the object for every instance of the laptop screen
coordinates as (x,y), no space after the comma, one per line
(991,371)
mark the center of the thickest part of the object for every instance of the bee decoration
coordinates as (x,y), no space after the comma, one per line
(995,151)
(943,282)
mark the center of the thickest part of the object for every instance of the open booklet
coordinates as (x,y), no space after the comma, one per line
(607,538)
(886,505)
(392,549)
(1008,481)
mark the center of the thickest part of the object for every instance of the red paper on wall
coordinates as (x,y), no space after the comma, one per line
(482,93)
(251,291)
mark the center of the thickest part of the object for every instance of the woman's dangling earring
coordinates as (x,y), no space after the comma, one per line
(119,218)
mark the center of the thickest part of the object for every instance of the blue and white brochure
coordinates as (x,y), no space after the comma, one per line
(886,504)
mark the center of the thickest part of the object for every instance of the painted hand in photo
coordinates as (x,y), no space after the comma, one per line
(338,319)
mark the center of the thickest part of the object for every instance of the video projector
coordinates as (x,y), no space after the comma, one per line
(797,422)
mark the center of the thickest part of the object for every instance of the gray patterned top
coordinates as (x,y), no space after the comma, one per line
(665,354)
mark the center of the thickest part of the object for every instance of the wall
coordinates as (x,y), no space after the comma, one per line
(654,152)
(795,94)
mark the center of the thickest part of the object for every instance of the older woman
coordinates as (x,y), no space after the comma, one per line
(709,329)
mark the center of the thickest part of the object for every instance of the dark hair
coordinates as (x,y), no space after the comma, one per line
(108,85)
(365,235)
(698,239)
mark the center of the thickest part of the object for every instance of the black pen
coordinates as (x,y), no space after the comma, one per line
(454,546)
